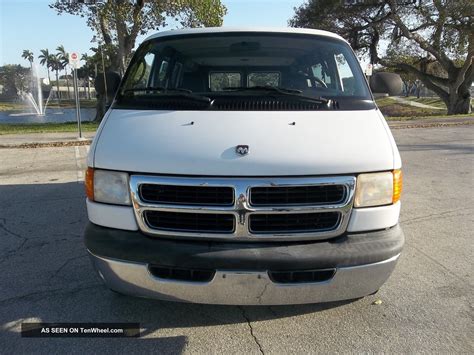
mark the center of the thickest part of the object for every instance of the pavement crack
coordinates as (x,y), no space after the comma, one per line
(429,216)
(426,255)
(64,265)
(58,291)
(3,221)
(259,297)
(251,328)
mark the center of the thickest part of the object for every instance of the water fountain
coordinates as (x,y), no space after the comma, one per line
(35,103)
(37,110)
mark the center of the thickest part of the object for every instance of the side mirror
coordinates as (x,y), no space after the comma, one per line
(107,84)
(390,84)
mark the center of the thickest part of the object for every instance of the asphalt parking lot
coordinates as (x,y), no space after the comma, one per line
(427,305)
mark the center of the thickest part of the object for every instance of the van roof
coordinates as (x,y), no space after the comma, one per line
(202,30)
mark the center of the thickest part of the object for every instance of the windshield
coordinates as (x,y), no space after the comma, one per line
(229,65)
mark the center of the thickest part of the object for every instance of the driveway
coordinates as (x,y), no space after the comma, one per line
(427,305)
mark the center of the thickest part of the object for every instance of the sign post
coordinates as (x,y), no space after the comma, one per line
(74,63)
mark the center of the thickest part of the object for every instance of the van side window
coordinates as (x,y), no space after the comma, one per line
(221,80)
(263,79)
(142,73)
(347,81)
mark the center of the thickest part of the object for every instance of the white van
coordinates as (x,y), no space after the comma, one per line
(244,166)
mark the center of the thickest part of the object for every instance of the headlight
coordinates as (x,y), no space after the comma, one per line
(377,189)
(107,186)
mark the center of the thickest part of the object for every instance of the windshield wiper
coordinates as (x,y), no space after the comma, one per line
(281,91)
(166,93)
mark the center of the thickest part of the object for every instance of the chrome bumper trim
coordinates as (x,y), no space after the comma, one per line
(242,209)
(234,287)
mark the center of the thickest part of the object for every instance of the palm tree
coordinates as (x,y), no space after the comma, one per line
(44,58)
(28,55)
(56,65)
(64,57)
(88,63)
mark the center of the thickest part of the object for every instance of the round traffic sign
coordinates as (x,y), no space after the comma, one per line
(74,60)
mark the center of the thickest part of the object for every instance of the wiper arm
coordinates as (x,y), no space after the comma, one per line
(283,91)
(167,94)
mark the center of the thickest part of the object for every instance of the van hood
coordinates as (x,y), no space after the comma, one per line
(280,143)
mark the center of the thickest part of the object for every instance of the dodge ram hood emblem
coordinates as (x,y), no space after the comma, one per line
(242,149)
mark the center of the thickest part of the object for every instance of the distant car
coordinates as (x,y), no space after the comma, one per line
(244,166)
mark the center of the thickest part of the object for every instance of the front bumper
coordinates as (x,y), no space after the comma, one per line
(362,263)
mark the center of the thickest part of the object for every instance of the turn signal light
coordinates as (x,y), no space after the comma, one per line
(89,183)
(397,185)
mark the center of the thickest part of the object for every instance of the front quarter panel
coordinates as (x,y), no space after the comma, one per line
(91,155)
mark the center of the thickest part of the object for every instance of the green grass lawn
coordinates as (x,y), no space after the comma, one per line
(397,111)
(46,127)
(72,104)
(432,101)
(391,108)
(12,106)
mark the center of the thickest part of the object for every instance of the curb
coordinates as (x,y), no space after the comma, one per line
(430,125)
(47,144)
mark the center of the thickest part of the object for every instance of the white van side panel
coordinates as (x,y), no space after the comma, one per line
(397,160)
(90,156)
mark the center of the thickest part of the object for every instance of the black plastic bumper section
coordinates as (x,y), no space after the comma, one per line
(346,250)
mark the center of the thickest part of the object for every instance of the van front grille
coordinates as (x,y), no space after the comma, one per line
(187,195)
(297,195)
(190,222)
(241,209)
(293,222)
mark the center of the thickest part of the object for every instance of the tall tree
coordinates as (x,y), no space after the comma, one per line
(45,58)
(437,34)
(14,78)
(119,22)
(28,55)
(64,58)
(56,66)
(87,71)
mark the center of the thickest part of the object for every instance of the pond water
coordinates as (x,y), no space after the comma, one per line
(52,115)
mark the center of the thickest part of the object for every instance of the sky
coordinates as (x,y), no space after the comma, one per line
(31,24)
